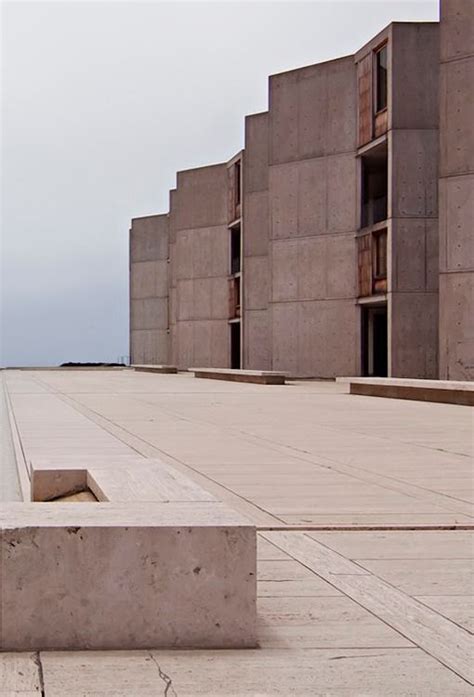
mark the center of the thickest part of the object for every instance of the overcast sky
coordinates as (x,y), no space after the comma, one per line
(102,102)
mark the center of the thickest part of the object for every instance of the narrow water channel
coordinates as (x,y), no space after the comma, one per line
(9,482)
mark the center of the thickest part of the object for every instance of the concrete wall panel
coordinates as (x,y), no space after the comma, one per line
(341,265)
(328,338)
(256,283)
(457,326)
(202,338)
(457,116)
(220,252)
(456,283)
(342,106)
(284,337)
(202,240)
(312,197)
(432,255)
(457,223)
(256,153)
(219,298)
(311,270)
(149,313)
(415,255)
(415,75)
(341,193)
(409,255)
(414,335)
(184,254)
(202,197)
(184,300)
(457,29)
(283,201)
(149,279)
(284,270)
(149,346)
(220,344)
(256,224)
(283,118)
(257,348)
(202,295)
(313,111)
(185,345)
(414,173)
(149,238)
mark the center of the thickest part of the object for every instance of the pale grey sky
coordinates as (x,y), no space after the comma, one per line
(102,102)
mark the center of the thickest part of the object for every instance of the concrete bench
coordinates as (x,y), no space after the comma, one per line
(446,391)
(261,377)
(155,368)
(156,561)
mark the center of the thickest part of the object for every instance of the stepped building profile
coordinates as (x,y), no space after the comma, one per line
(340,240)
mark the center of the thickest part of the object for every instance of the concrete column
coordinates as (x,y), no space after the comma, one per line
(149,248)
(456,191)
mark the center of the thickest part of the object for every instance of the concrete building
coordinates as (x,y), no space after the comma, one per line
(316,250)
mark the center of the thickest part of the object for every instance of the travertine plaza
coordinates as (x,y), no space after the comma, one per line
(362,508)
(209,521)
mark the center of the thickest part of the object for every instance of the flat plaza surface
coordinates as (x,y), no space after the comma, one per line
(364,509)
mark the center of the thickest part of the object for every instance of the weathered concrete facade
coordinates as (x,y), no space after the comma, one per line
(456,191)
(315,250)
(149,289)
(199,268)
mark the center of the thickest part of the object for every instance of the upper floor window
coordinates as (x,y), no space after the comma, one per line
(381,79)
(238,183)
(235,250)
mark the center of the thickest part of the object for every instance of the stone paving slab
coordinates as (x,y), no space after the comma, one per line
(266,449)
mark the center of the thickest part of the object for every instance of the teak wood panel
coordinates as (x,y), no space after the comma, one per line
(364,248)
(364,82)
(381,123)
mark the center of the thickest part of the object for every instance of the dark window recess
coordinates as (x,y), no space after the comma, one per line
(235,250)
(235,345)
(381,79)
(374,188)
(238,183)
(234,297)
(374,342)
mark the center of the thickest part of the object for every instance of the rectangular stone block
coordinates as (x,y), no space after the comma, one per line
(259,377)
(126,576)
(165,369)
(444,391)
